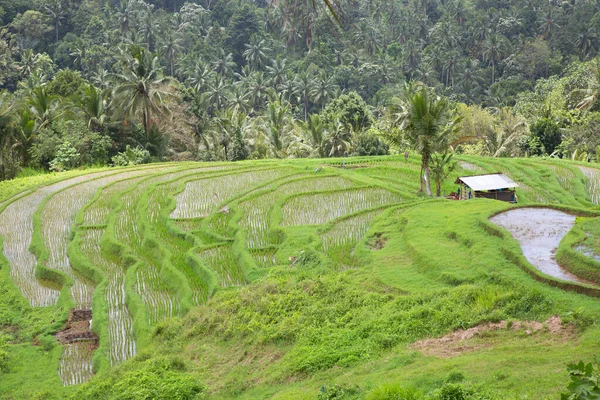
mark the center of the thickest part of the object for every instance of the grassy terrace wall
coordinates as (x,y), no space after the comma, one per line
(163,248)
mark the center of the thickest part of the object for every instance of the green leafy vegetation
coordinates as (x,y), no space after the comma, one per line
(324,263)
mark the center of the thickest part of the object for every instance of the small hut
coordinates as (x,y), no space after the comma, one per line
(490,186)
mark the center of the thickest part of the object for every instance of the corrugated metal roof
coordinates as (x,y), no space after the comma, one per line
(488,182)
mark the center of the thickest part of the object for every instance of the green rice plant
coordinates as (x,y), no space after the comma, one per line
(122,345)
(97,211)
(58,215)
(339,241)
(223,262)
(565,177)
(264,258)
(320,208)
(75,367)
(592,176)
(16,228)
(201,197)
(158,295)
(219,223)
(255,212)
(158,201)
(467,166)
(188,225)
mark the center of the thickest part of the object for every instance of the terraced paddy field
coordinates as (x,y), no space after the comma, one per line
(297,279)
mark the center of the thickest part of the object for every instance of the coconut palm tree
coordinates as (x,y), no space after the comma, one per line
(43,106)
(303,85)
(424,119)
(217,92)
(314,135)
(441,166)
(256,54)
(277,72)
(93,106)
(141,89)
(590,95)
(6,132)
(323,89)
(171,46)
(223,64)
(338,138)
(494,49)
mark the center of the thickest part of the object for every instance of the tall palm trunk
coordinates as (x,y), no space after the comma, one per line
(425,179)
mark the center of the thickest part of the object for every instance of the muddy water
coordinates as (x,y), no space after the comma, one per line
(539,232)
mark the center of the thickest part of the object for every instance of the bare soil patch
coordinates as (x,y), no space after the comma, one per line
(378,241)
(465,340)
(78,328)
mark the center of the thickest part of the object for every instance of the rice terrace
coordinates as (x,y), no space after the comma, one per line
(297,279)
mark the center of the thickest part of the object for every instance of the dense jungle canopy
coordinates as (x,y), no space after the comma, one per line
(97,82)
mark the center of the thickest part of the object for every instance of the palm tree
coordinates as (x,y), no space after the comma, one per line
(303,85)
(591,94)
(277,72)
(93,105)
(6,131)
(548,24)
(441,167)
(25,130)
(141,89)
(425,122)
(494,49)
(323,89)
(506,132)
(56,12)
(275,121)
(43,106)
(171,46)
(314,132)
(256,54)
(338,138)
(224,128)
(257,84)
(469,78)
(223,64)
(239,101)
(368,36)
(217,92)
(585,42)
(200,76)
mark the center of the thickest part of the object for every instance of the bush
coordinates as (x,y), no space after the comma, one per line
(371,145)
(66,158)
(393,392)
(145,378)
(585,380)
(69,144)
(338,392)
(4,361)
(131,156)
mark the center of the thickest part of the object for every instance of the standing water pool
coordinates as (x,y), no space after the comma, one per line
(539,232)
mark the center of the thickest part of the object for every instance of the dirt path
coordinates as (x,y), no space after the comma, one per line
(539,232)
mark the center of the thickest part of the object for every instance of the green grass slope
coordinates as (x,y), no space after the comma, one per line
(308,279)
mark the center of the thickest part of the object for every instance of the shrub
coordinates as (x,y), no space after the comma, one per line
(69,144)
(131,156)
(145,378)
(393,392)
(371,145)
(585,380)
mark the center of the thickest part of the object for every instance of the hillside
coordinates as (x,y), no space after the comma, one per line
(288,279)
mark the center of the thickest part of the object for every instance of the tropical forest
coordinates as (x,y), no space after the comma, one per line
(300,199)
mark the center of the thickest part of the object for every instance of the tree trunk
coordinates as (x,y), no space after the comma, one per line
(425,180)
(438,189)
